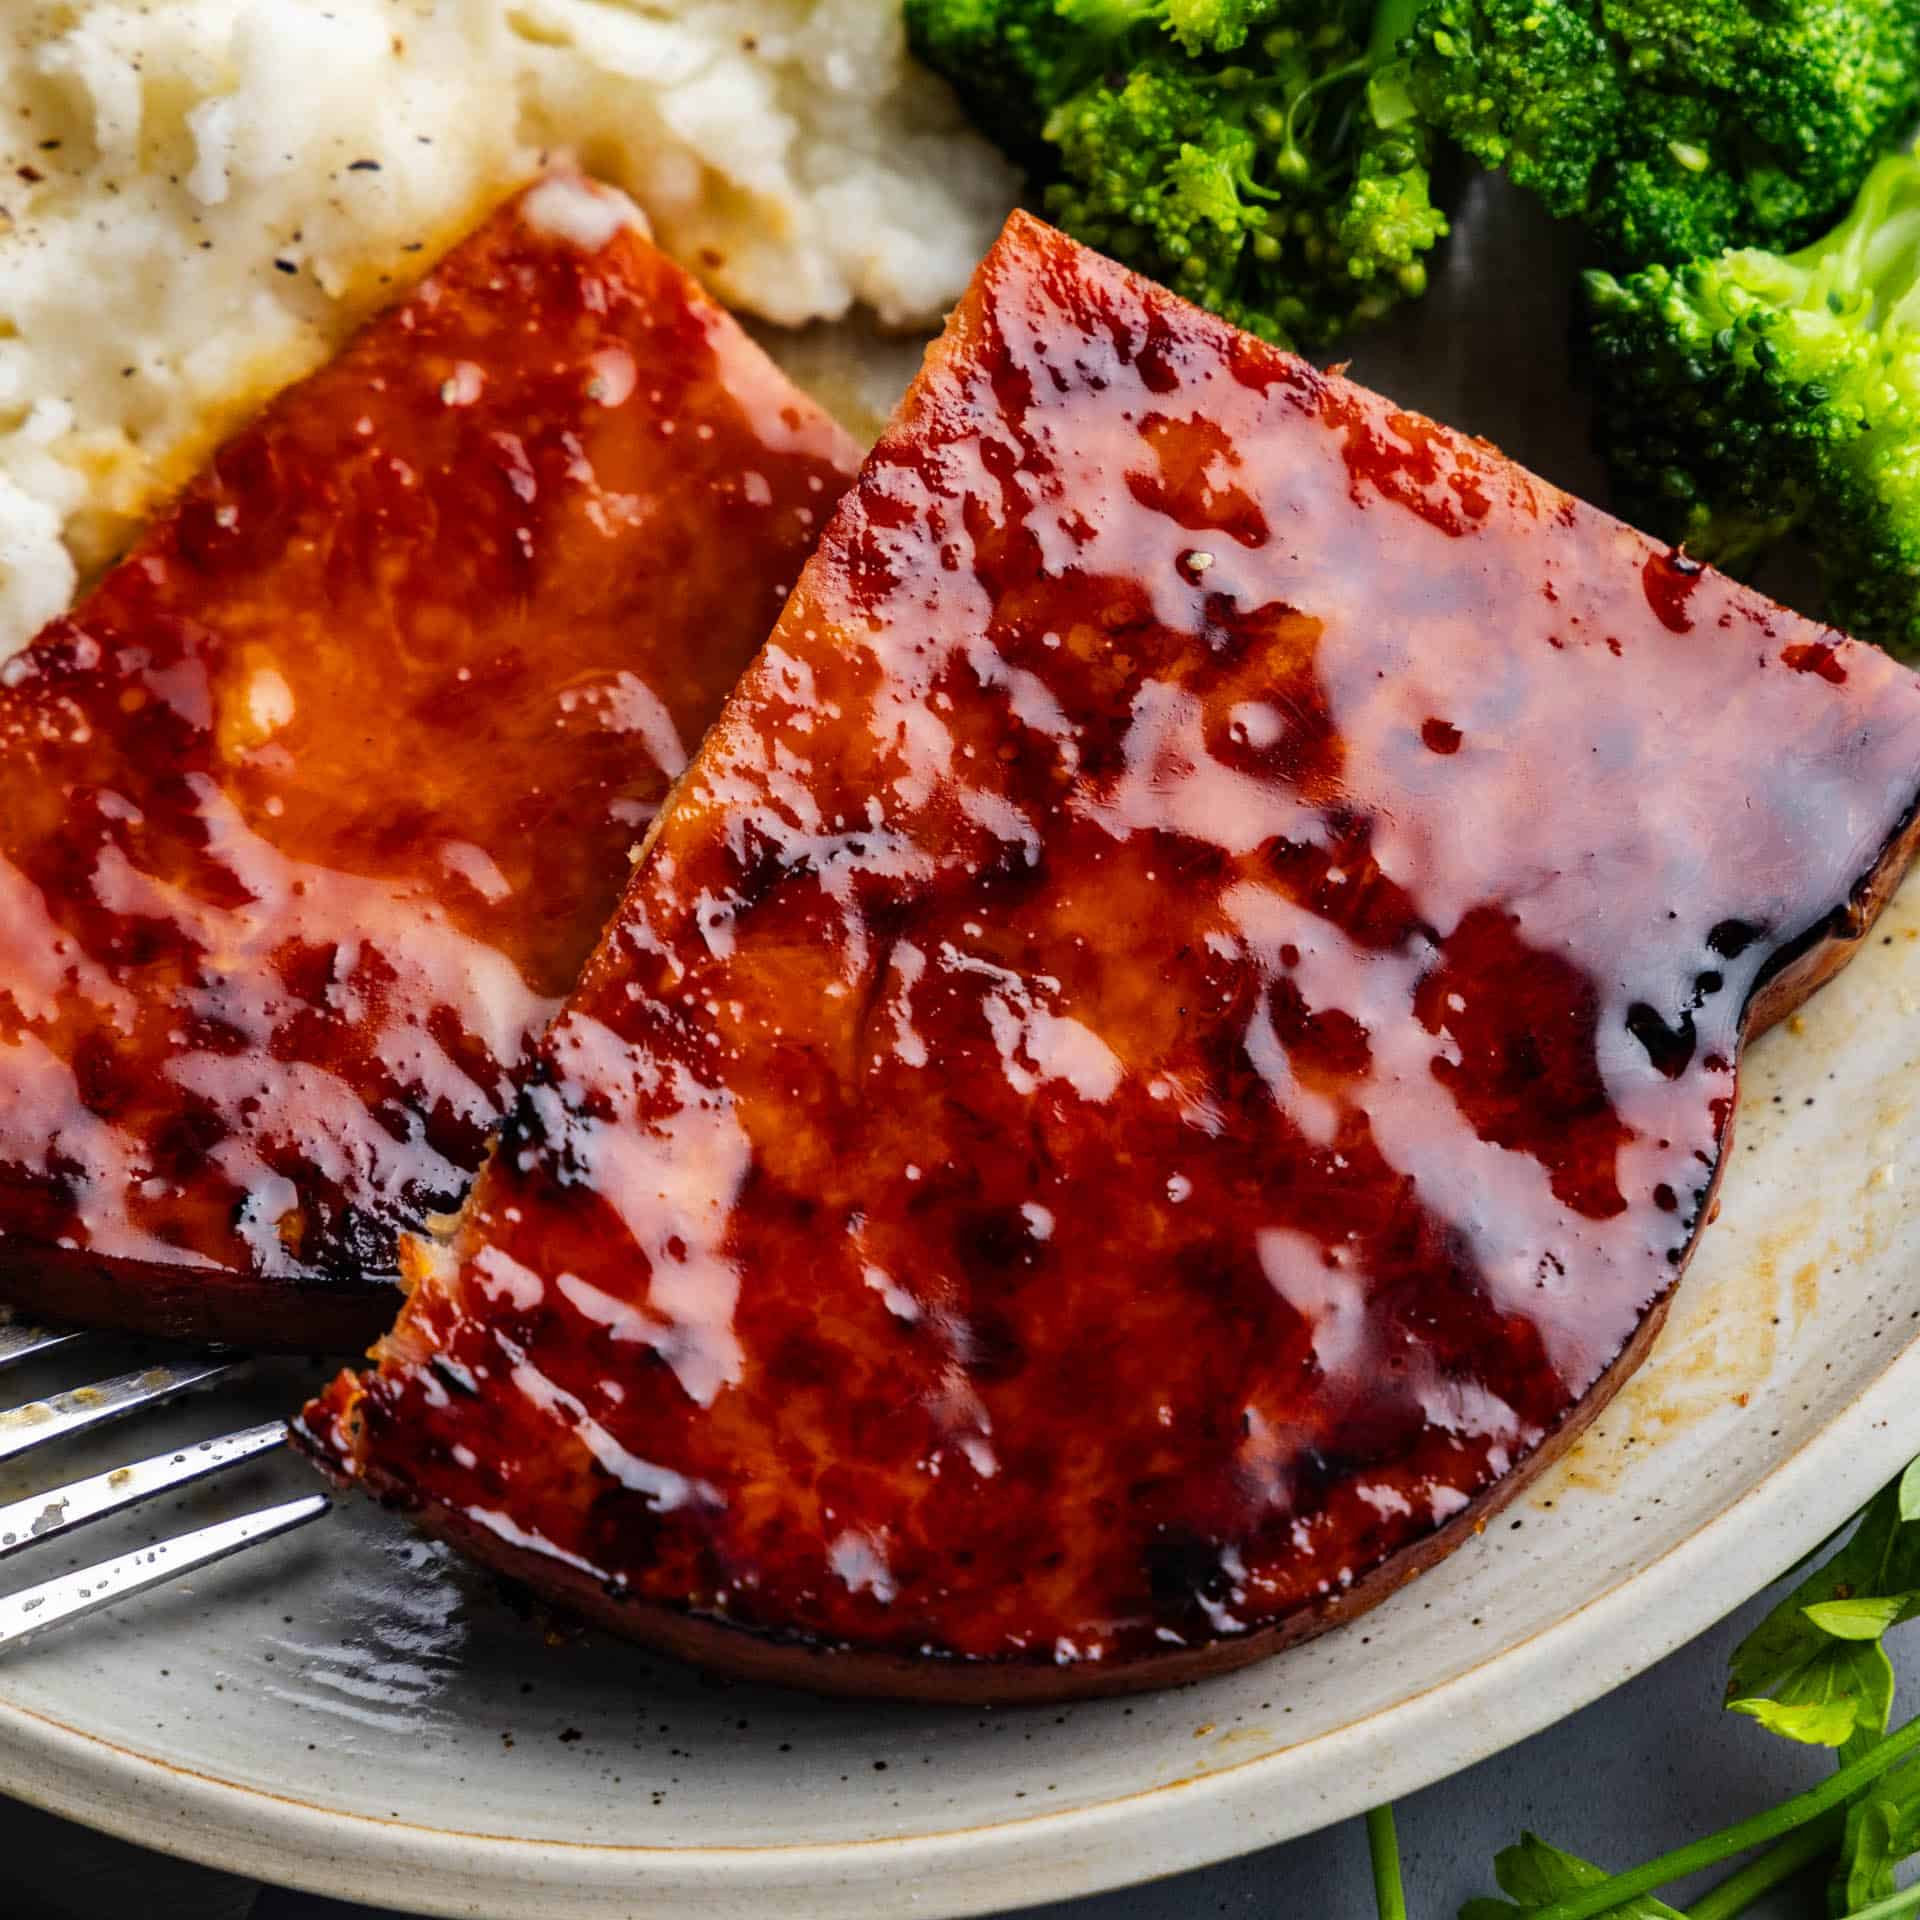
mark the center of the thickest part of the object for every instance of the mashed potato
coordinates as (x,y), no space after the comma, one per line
(199,198)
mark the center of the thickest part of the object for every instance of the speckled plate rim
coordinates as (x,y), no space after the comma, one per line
(1211,1816)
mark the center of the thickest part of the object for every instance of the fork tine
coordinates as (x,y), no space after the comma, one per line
(64,1414)
(21,1342)
(43,1516)
(74,1595)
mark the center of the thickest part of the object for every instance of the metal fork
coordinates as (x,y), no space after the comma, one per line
(29,1522)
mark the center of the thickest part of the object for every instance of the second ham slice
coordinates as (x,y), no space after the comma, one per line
(311,811)
(1170,1050)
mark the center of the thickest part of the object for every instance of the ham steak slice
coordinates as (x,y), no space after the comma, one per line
(1169,1050)
(314,807)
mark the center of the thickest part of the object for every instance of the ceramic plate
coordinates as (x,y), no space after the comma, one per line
(352,1710)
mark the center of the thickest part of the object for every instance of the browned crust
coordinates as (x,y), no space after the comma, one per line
(850,1672)
(854,1673)
(188,1302)
(1807,972)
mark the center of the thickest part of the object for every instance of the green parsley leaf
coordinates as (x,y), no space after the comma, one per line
(1813,1669)
(1536,1874)
(1866,1617)
(1842,1690)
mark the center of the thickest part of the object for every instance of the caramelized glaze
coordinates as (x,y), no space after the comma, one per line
(1178,1028)
(315,805)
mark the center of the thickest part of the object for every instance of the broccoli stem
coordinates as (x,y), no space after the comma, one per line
(1392,22)
(1389,96)
(1869,263)
(1291,163)
(1879,250)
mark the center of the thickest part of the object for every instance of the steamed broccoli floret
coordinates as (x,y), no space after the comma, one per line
(1674,128)
(1750,395)
(1261,156)
(1271,157)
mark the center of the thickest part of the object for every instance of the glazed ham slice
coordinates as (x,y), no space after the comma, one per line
(1169,1050)
(313,809)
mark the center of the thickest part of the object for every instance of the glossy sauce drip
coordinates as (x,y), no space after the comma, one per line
(1178,1024)
(315,805)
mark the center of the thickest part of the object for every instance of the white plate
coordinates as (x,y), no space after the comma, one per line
(353,1711)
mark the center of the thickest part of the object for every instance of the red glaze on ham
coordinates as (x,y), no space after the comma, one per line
(1169,1049)
(315,805)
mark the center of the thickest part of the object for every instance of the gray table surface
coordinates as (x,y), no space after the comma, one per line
(1651,1765)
